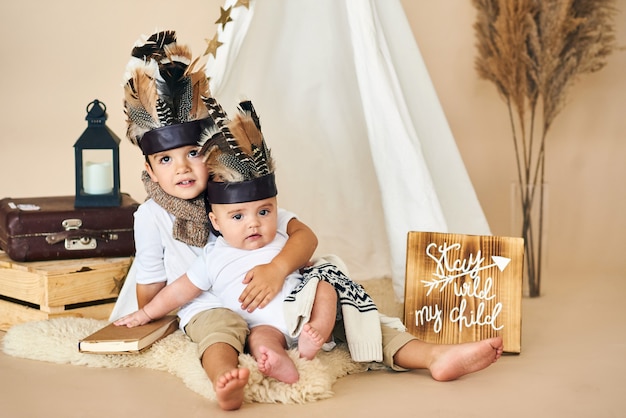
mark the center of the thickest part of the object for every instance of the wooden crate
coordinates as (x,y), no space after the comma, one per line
(38,290)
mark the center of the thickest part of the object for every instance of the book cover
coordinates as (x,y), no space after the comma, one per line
(114,339)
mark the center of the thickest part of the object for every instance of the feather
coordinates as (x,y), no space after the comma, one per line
(261,154)
(246,136)
(164,86)
(141,91)
(220,169)
(215,111)
(238,152)
(249,130)
(227,144)
(153,47)
(173,83)
(140,103)
(161,60)
(200,90)
(246,107)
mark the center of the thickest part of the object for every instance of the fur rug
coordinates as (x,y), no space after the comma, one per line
(56,341)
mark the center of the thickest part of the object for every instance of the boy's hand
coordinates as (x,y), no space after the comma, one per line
(135,319)
(263,284)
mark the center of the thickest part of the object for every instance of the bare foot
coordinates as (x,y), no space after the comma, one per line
(309,342)
(455,360)
(278,366)
(229,388)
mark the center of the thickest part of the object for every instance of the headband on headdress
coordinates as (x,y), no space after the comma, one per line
(167,102)
(240,165)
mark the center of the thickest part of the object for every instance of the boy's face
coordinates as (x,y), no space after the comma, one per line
(248,225)
(180,171)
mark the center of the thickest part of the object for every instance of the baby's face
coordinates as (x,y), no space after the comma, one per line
(248,225)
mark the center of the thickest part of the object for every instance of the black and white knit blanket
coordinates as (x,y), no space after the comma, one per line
(356,308)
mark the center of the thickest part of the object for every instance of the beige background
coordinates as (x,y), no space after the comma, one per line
(59,56)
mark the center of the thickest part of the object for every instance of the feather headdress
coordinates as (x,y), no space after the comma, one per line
(167,100)
(240,164)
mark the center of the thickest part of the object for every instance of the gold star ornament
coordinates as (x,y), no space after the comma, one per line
(212,45)
(224,17)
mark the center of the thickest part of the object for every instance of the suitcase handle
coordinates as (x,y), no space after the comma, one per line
(73,232)
(79,234)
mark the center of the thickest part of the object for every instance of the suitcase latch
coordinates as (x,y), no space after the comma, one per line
(79,239)
(72,224)
(74,242)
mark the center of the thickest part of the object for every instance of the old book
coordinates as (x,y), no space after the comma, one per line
(113,339)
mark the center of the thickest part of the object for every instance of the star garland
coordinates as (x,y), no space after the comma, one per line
(214,43)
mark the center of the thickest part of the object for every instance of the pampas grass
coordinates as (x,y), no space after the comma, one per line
(534,51)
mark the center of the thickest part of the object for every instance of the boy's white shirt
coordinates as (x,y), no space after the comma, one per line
(159,257)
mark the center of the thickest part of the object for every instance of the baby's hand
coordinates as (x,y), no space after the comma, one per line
(263,283)
(135,319)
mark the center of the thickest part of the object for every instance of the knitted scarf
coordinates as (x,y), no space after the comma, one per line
(191,223)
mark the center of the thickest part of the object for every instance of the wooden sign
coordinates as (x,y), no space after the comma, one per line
(462,288)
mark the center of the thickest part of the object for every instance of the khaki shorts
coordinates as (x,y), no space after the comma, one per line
(393,340)
(218,325)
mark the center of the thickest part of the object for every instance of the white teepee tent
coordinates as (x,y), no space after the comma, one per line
(363,148)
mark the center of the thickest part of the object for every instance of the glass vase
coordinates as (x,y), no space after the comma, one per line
(529,210)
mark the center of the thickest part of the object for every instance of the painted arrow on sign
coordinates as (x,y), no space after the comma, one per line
(498,261)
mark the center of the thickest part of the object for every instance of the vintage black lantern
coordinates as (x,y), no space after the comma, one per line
(97,161)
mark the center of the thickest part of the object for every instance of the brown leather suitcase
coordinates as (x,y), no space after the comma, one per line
(51,228)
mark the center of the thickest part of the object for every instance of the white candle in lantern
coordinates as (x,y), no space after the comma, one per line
(98,178)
